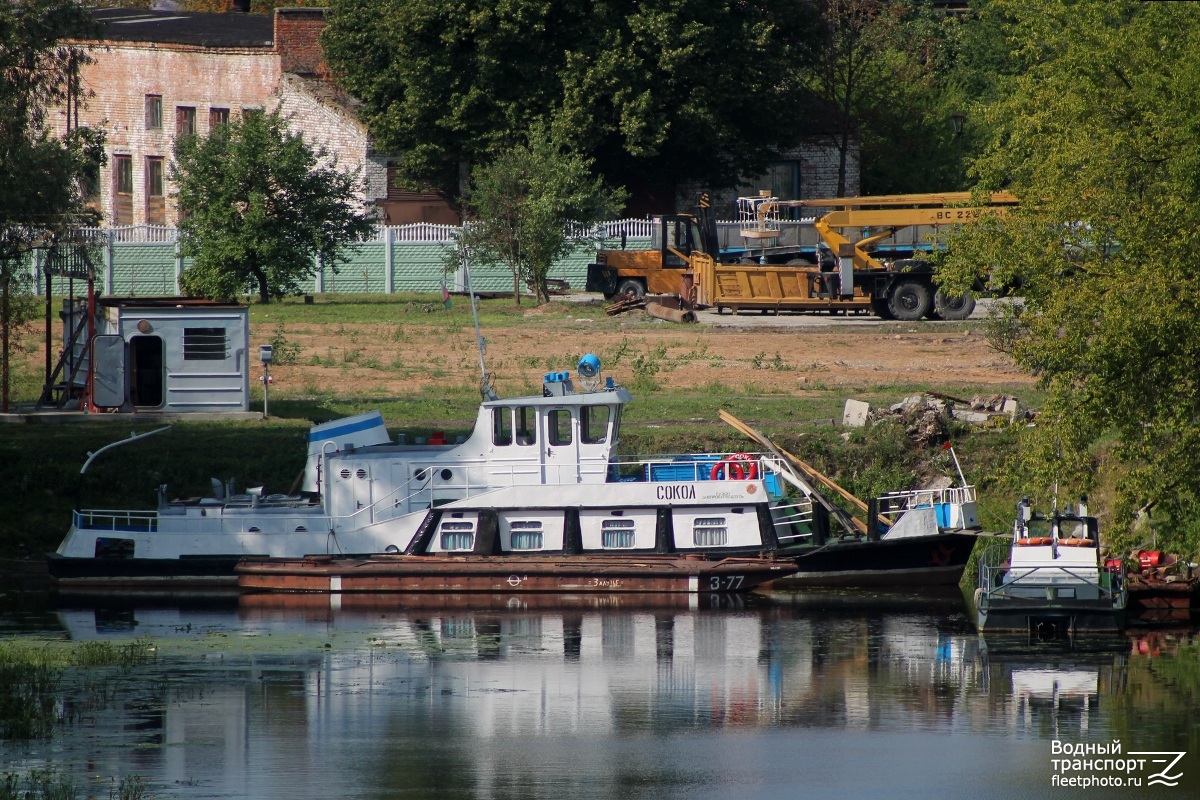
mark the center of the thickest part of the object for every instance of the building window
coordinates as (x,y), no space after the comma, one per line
(616,534)
(154,112)
(156,205)
(458,536)
(525,534)
(123,189)
(710,532)
(217,117)
(185,121)
(204,344)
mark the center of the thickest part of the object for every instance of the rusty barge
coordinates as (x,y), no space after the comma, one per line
(582,574)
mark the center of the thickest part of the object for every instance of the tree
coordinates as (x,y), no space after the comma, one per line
(258,206)
(657,91)
(40,195)
(1097,135)
(533,204)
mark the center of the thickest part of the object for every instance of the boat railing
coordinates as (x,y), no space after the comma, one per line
(793,522)
(664,467)
(116,520)
(920,498)
(421,488)
(994,568)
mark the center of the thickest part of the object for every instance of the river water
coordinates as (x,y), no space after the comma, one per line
(787,696)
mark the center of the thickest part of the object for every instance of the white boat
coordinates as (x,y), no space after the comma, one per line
(1051,583)
(538,475)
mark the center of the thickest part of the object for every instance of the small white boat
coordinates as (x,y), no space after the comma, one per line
(538,476)
(1051,583)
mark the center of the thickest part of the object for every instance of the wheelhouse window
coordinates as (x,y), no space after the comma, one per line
(616,534)
(204,344)
(710,532)
(185,121)
(526,425)
(525,534)
(502,427)
(593,424)
(154,112)
(458,535)
(559,424)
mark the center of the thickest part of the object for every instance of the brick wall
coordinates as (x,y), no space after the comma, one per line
(326,118)
(203,79)
(297,40)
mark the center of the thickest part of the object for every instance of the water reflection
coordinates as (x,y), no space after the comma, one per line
(657,696)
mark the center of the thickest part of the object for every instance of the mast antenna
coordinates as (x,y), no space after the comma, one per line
(485,377)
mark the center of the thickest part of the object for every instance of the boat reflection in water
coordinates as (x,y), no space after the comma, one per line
(618,696)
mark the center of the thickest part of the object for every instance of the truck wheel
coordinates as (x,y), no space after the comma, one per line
(953,307)
(632,289)
(910,300)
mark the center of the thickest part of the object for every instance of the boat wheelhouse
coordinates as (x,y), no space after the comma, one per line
(1052,582)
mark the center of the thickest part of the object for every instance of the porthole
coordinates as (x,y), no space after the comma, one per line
(301,529)
(345,474)
(254,530)
(419,474)
(362,473)
(446,474)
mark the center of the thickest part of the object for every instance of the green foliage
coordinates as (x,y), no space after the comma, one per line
(1098,136)
(532,205)
(40,175)
(259,207)
(38,784)
(657,91)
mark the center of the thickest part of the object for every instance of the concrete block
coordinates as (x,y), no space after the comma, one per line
(855,413)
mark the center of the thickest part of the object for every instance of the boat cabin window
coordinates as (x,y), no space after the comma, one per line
(458,536)
(525,534)
(1038,529)
(593,424)
(1072,529)
(616,534)
(526,425)
(710,532)
(558,423)
(501,427)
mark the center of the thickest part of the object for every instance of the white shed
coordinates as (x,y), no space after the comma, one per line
(160,353)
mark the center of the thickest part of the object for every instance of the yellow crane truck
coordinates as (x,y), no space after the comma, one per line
(859,264)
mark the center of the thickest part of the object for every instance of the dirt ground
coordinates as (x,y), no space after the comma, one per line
(748,353)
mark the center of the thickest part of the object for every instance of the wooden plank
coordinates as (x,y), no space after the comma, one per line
(804,467)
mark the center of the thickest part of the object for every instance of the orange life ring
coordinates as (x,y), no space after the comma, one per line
(1077,542)
(1035,541)
(737,467)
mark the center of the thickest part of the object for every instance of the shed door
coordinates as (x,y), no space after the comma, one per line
(146,356)
(108,372)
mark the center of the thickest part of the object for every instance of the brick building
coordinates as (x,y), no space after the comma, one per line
(158,75)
